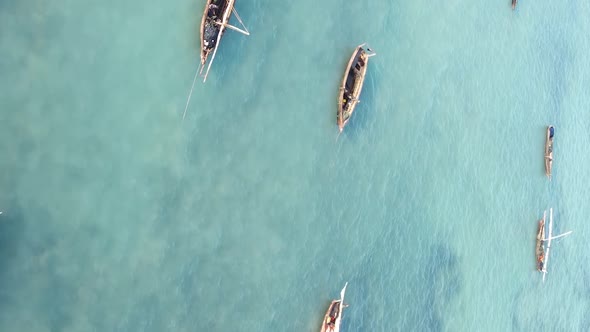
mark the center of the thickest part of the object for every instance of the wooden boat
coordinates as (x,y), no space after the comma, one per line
(213,24)
(548,239)
(540,250)
(549,151)
(333,316)
(514,4)
(352,84)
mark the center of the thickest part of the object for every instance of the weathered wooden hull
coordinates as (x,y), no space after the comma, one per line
(540,250)
(224,13)
(332,326)
(352,85)
(549,152)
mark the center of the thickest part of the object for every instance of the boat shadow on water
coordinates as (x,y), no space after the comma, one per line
(437,279)
(354,317)
(11,235)
(443,285)
(31,265)
(11,231)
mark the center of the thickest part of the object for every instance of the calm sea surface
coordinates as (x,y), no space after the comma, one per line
(252,213)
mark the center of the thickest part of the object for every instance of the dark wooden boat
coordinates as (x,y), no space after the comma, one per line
(549,151)
(215,20)
(213,24)
(352,84)
(514,4)
(540,250)
(333,316)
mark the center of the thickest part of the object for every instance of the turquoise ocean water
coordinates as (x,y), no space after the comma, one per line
(252,213)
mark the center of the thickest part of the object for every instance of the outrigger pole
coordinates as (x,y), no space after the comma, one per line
(227,25)
(233,28)
(561,235)
(210,62)
(549,241)
(368,49)
(240,20)
(222,25)
(202,65)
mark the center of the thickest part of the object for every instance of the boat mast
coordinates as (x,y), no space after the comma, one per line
(549,241)
(222,26)
(211,61)
(548,244)
(341,292)
(342,302)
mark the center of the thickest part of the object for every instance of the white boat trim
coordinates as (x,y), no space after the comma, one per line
(341,292)
(548,243)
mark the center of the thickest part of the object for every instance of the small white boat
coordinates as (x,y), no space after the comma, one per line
(333,316)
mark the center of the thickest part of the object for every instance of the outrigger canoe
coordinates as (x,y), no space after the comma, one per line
(540,250)
(352,84)
(333,316)
(215,19)
(549,151)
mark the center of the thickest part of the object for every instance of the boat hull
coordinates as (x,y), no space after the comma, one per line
(549,151)
(352,85)
(331,323)
(540,250)
(213,25)
(333,316)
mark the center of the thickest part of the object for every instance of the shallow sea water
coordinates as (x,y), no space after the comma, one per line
(253,212)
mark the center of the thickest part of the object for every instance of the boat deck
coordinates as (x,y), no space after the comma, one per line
(351,86)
